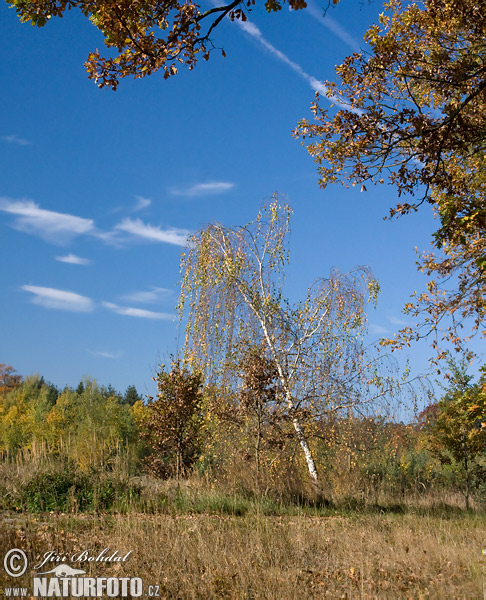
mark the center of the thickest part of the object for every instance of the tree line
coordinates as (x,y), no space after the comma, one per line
(247,434)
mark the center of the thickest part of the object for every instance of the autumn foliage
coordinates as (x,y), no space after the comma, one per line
(172,426)
(73,442)
(146,35)
(412,112)
(9,379)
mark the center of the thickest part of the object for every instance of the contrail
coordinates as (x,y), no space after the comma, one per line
(314,83)
(333,26)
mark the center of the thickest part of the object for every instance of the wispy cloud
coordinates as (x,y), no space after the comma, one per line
(15,139)
(334,26)
(111,238)
(156,234)
(50,225)
(59,299)
(378,329)
(72,259)
(155,294)
(397,321)
(142,203)
(203,189)
(137,312)
(113,355)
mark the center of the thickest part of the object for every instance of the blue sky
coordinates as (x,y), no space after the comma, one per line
(98,189)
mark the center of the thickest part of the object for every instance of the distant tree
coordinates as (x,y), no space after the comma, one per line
(17,421)
(172,424)
(412,110)
(80,388)
(458,432)
(90,427)
(9,379)
(23,414)
(111,392)
(53,392)
(131,395)
(427,417)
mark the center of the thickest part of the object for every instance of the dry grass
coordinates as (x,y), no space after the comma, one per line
(272,557)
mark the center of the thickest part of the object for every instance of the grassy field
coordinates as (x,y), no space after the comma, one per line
(333,554)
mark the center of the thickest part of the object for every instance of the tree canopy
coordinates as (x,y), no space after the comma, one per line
(9,379)
(457,425)
(414,115)
(233,296)
(86,424)
(146,35)
(173,421)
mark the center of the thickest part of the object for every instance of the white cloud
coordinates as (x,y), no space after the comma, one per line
(137,312)
(141,203)
(147,297)
(203,189)
(112,238)
(378,329)
(108,354)
(59,299)
(397,321)
(149,232)
(15,139)
(72,259)
(51,226)
(333,26)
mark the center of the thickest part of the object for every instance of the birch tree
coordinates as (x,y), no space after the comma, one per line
(232,294)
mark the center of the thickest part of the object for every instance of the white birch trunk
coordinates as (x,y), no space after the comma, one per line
(311,465)
(301,437)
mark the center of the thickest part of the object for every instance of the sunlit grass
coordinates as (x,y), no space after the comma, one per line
(280,556)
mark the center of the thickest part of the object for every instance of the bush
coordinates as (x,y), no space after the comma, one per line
(63,491)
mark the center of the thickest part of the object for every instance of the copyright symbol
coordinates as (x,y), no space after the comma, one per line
(13,562)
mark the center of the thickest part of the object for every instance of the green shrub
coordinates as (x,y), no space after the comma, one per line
(63,491)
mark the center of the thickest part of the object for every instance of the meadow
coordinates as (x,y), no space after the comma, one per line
(301,553)
(390,520)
